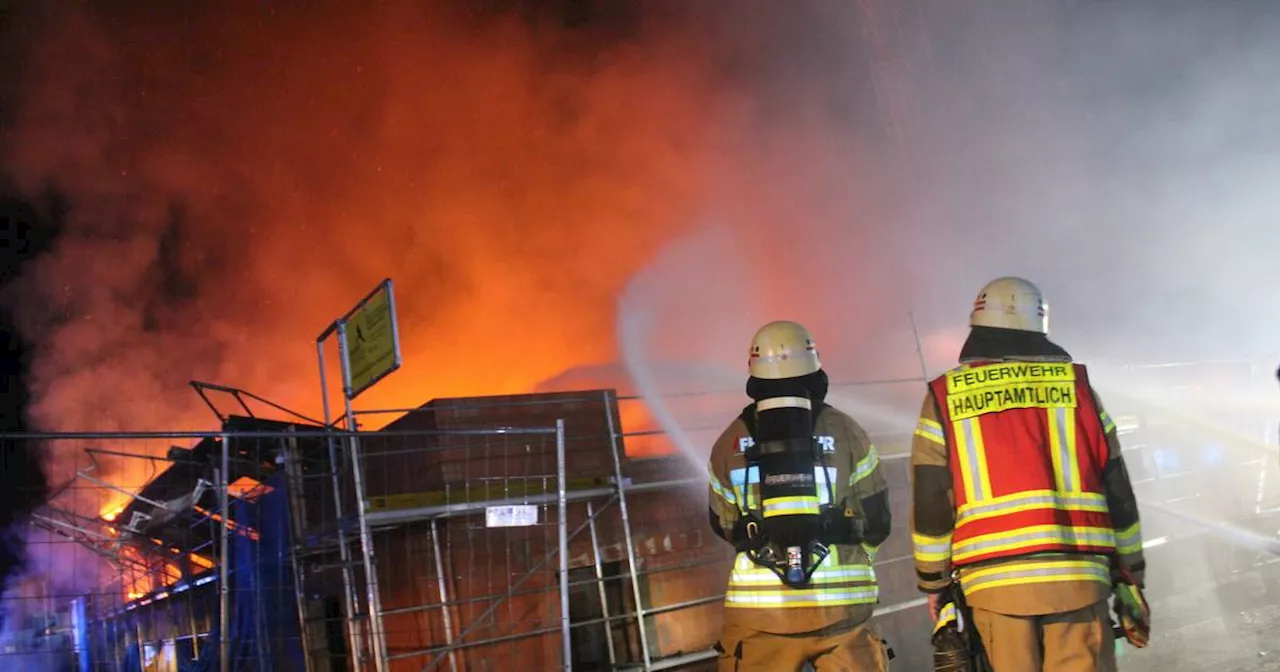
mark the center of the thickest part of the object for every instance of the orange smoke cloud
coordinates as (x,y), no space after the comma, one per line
(237,185)
(237,180)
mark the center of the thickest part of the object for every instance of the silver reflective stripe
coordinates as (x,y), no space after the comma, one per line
(840,596)
(1065,535)
(971,451)
(1129,540)
(933,549)
(931,430)
(1079,570)
(1077,501)
(1107,423)
(1065,450)
(759,575)
(824,478)
(865,466)
(805,505)
(722,492)
(740,478)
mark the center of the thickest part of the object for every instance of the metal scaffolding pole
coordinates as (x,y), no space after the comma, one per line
(626,531)
(224,573)
(604,596)
(377,640)
(297,518)
(444,593)
(563,524)
(354,639)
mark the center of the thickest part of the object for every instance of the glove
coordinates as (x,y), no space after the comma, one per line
(1131,609)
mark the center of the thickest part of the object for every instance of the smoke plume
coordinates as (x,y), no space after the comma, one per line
(239,178)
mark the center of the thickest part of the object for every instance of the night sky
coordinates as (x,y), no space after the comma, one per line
(24,233)
(26,230)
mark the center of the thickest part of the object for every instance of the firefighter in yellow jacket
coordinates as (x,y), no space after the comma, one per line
(797,489)
(1019,487)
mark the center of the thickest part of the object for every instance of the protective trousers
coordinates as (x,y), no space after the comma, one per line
(858,649)
(1075,641)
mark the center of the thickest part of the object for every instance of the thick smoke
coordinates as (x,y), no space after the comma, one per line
(240,178)
(237,175)
(1119,154)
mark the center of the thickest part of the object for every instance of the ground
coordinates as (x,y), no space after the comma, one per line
(1231,629)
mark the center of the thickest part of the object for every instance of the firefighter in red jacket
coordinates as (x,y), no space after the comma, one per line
(1020,493)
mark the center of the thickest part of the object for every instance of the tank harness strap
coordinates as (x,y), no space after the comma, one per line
(760,552)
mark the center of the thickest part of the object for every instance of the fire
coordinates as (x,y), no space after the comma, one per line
(511,182)
(640,428)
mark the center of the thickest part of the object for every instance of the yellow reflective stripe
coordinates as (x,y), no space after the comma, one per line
(931,549)
(1108,425)
(835,584)
(756,575)
(802,598)
(946,615)
(790,506)
(1031,500)
(1129,540)
(865,466)
(1062,448)
(931,430)
(746,485)
(1036,571)
(1031,536)
(722,491)
(973,460)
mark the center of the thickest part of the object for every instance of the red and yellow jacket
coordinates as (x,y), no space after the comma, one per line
(1018,481)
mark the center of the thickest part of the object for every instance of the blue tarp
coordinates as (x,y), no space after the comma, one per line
(263,625)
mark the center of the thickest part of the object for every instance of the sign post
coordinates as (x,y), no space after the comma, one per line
(369,349)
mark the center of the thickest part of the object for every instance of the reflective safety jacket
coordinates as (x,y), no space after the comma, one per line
(964,466)
(843,589)
(1027,449)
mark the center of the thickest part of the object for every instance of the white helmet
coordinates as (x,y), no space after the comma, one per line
(782,349)
(1011,303)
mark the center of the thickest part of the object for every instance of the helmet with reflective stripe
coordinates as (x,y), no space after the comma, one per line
(1011,303)
(782,349)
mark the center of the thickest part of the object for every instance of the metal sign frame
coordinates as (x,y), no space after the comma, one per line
(397,359)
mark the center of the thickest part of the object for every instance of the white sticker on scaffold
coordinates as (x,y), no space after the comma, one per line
(511,516)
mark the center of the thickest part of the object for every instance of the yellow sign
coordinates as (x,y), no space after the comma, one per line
(371,342)
(1002,387)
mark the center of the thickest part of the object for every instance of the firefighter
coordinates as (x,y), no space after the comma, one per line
(1018,486)
(795,486)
